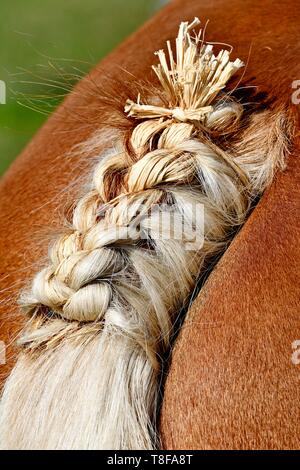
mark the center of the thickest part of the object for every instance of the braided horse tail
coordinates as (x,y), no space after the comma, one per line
(102,314)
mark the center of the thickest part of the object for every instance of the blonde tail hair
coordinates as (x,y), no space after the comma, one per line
(101,315)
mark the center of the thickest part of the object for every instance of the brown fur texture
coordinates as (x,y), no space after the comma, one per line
(231,382)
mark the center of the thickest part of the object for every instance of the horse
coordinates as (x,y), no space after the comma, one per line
(228,381)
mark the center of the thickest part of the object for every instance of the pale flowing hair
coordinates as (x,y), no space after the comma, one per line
(102,313)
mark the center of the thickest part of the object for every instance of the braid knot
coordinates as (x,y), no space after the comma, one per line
(104,253)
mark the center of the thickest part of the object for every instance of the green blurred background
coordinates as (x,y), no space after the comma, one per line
(46,46)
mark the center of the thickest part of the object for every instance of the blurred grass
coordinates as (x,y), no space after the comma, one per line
(70,34)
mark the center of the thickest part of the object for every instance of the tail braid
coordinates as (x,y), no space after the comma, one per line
(116,281)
